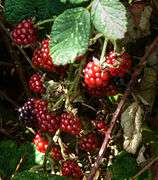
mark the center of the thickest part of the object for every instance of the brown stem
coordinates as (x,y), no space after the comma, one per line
(16,58)
(145,168)
(107,138)
(4,95)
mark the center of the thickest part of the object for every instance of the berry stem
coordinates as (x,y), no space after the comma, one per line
(50,140)
(62,148)
(103,51)
(116,114)
(20,49)
(44,22)
(89,6)
(3,95)
(75,84)
(61,99)
(16,58)
(93,40)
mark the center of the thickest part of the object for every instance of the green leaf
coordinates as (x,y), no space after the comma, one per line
(124,166)
(74,1)
(15,11)
(26,175)
(11,155)
(109,18)
(70,36)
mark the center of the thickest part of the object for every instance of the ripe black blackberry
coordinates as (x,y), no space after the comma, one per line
(27,113)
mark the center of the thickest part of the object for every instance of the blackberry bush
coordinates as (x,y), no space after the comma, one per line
(101,77)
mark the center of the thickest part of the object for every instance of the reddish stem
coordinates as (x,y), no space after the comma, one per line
(107,138)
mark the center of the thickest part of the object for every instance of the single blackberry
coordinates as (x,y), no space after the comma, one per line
(71,169)
(27,113)
(46,121)
(36,83)
(94,76)
(56,153)
(40,143)
(70,124)
(88,143)
(24,33)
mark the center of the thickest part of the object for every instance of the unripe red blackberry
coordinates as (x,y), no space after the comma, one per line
(40,143)
(46,121)
(119,65)
(94,76)
(101,124)
(109,90)
(41,57)
(70,124)
(24,33)
(27,113)
(71,169)
(36,83)
(88,143)
(56,153)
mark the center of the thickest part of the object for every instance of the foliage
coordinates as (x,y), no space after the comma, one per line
(124,166)
(11,154)
(89,57)
(71,39)
(37,176)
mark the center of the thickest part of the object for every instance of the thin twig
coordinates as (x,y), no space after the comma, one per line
(4,95)
(18,166)
(50,143)
(20,49)
(145,168)
(107,138)
(103,51)
(44,21)
(16,58)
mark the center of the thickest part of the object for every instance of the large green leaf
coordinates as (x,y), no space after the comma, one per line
(70,36)
(10,156)
(37,176)
(74,1)
(109,18)
(123,166)
(15,11)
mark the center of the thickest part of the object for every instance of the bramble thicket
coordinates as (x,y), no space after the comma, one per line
(78,89)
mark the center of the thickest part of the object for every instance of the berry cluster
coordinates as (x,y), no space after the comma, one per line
(41,57)
(109,90)
(98,80)
(40,143)
(27,112)
(46,121)
(70,124)
(56,153)
(94,76)
(88,143)
(36,83)
(119,64)
(71,169)
(24,33)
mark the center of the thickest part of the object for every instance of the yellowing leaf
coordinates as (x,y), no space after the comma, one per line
(131,122)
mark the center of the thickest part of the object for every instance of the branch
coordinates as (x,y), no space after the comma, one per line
(145,168)
(107,138)
(4,95)
(16,58)
(20,49)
